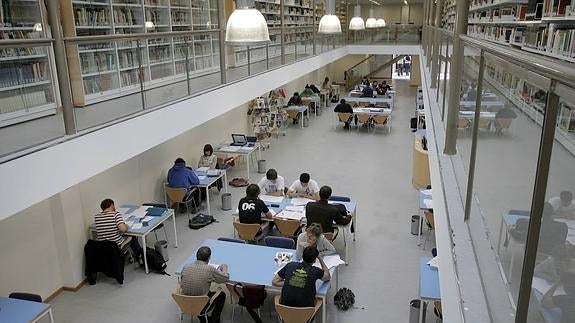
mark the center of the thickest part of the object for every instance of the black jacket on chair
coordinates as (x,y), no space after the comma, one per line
(106,257)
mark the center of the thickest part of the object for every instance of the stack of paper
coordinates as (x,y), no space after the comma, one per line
(140,212)
(434,263)
(543,286)
(136,226)
(202,177)
(290,215)
(271,199)
(330,261)
(300,201)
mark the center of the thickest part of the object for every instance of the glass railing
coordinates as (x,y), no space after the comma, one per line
(398,34)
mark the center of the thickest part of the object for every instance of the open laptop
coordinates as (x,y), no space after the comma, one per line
(239,140)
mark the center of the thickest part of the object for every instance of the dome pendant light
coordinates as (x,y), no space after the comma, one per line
(246,26)
(329,23)
(371,22)
(356,23)
(380,23)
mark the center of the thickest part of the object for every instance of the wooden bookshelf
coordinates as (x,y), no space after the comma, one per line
(26,87)
(110,69)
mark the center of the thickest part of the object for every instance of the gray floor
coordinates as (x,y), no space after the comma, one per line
(374,169)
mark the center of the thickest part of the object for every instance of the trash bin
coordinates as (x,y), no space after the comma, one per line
(306,121)
(161,247)
(227,201)
(415,224)
(261,166)
(414,311)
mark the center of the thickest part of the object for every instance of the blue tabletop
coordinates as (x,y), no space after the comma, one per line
(247,263)
(17,311)
(428,280)
(368,100)
(550,315)
(512,216)
(209,180)
(152,223)
(300,108)
(350,206)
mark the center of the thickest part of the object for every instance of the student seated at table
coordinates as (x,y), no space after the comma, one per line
(304,187)
(563,205)
(326,86)
(208,159)
(180,176)
(110,226)
(197,277)
(307,91)
(313,237)
(297,279)
(560,260)
(251,208)
(367,92)
(272,184)
(553,233)
(314,89)
(566,301)
(344,107)
(326,214)
(295,99)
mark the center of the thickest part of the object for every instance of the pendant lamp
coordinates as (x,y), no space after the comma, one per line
(246,26)
(371,22)
(329,23)
(356,23)
(380,23)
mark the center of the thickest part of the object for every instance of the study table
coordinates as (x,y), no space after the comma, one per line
(300,109)
(366,101)
(253,264)
(14,310)
(286,203)
(207,181)
(134,216)
(324,95)
(246,150)
(306,100)
(428,284)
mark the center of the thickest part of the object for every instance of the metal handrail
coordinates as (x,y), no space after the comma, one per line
(25,43)
(137,36)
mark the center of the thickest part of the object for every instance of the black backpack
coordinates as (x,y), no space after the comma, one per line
(156,262)
(200,221)
(344,299)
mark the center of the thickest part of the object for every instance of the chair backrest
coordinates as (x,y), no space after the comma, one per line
(379,119)
(429,218)
(176,195)
(343,117)
(504,123)
(462,123)
(234,296)
(329,236)
(363,118)
(191,305)
(26,297)
(339,198)
(484,123)
(293,113)
(247,231)
(280,242)
(288,314)
(231,240)
(287,227)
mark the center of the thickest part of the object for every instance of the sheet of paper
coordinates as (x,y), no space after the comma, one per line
(123,210)
(140,212)
(428,204)
(136,226)
(271,199)
(202,177)
(434,263)
(542,286)
(300,201)
(230,148)
(295,208)
(202,169)
(290,215)
(148,218)
(214,265)
(330,261)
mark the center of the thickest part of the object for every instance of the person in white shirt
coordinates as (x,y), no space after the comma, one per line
(304,187)
(272,184)
(563,205)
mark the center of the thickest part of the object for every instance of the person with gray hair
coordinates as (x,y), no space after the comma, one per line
(197,278)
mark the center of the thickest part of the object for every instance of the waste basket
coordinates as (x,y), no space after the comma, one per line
(227,201)
(161,247)
(415,224)
(261,166)
(414,311)
(305,121)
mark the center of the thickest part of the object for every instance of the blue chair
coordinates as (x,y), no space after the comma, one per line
(339,198)
(26,297)
(280,242)
(231,240)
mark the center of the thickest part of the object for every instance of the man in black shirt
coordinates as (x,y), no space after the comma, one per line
(324,213)
(344,107)
(367,92)
(295,99)
(297,279)
(251,207)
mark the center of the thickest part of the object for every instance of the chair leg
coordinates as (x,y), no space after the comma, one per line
(165,233)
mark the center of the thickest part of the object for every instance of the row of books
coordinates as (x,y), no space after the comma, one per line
(87,16)
(156,2)
(17,14)
(552,39)
(180,17)
(127,58)
(506,13)
(160,53)
(129,77)
(156,17)
(557,8)
(100,84)
(16,34)
(94,62)
(21,101)
(22,74)
(124,16)
(11,52)
(161,71)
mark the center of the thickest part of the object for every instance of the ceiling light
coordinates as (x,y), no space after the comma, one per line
(246,26)
(380,23)
(405,2)
(149,25)
(370,22)
(329,23)
(356,23)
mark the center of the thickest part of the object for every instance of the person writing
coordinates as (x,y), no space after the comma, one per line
(197,277)
(110,226)
(304,187)
(295,99)
(272,183)
(313,237)
(297,279)
(326,214)
(251,208)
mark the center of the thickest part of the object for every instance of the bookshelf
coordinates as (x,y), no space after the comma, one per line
(448,15)
(545,27)
(26,87)
(110,69)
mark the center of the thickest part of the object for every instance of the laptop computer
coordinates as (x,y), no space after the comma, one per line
(239,140)
(252,140)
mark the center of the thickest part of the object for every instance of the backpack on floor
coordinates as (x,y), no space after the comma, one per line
(156,262)
(200,221)
(239,182)
(344,299)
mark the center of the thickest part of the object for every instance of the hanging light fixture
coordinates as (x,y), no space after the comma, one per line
(380,23)
(329,23)
(37,27)
(356,23)
(371,22)
(246,25)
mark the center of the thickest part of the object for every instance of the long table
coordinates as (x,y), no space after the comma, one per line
(350,206)
(207,181)
(299,108)
(20,311)
(428,284)
(253,264)
(306,100)
(225,149)
(375,101)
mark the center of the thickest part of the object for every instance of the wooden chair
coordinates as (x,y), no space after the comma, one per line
(249,232)
(293,114)
(234,298)
(381,120)
(484,123)
(463,123)
(288,228)
(177,195)
(194,305)
(502,123)
(288,314)
(364,119)
(344,117)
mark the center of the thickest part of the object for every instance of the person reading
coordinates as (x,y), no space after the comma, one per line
(272,183)
(304,187)
(313,237)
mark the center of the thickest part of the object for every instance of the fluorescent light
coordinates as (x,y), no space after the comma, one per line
(149,25)
(377,3)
